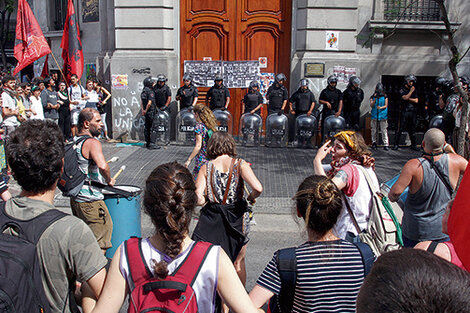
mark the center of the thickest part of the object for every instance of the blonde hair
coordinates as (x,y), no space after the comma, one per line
(206,116)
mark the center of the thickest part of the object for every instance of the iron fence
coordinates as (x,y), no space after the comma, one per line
(60,13)
(411,10)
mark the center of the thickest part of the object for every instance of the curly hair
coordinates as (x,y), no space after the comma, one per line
(356,146)
(206,116)
(219,144)
(169,199)
(35,152)
(318,201)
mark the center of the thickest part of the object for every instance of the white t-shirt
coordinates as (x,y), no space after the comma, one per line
(9,103)
(92,96)
(206,282)
(36,106)
(75,94)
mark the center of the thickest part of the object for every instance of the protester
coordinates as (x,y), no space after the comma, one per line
(432,180)
(64,111)
(206,125)
(169,200)
(220,183)
(410,280)
(379,116)
(9,108)
(88,205)
(19,97)
(67,248)
(444,249)
(329,271)
(77,101)
(103,96)
(91,95)
(49,101)
(36,104)
(351,159)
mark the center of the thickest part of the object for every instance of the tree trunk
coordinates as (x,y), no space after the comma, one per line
(453,69)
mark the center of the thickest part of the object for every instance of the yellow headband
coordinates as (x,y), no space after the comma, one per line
(345,136)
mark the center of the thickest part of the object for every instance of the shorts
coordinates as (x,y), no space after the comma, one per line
(74,116)
(96,215)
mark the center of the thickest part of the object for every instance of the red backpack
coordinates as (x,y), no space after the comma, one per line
(172,294)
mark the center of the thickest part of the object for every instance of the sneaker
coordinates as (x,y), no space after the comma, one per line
(374,146)
(395,147)
(386,148)
(153,147)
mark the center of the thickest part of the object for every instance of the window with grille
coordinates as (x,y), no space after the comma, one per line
(59,12)
(411,10)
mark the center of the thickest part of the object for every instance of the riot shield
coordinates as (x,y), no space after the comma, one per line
(185,123)
(305,131)
(225,120)
(333,125)
(276,130)
(250,129)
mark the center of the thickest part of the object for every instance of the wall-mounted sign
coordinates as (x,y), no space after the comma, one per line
(314,70)
(207,58)
(91,11)
(263,62)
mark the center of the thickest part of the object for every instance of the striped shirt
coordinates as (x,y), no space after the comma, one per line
(329,275)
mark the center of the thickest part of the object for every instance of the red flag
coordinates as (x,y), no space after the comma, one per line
(45,68)
(458,225)
(30,43)
(72,45)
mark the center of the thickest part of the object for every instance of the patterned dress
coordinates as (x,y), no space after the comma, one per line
(201,157)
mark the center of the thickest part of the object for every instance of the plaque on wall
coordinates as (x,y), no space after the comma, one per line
(314,70)
(90,11)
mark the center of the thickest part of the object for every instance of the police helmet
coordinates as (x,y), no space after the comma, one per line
(218,77)
(161,78)
(254,84)
(187,77)
(354,80)
(280,77)
(439,81)
(332,79)
(303,82)
(410,78)
(379,88)
(148,82)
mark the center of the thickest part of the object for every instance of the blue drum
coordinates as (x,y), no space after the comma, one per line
(385,188)
(125,214)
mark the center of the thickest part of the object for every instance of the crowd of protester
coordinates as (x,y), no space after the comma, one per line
(332,270)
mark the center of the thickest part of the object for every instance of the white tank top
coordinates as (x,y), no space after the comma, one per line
(206,281)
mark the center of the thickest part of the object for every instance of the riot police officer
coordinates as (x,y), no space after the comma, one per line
(218,96)
(332,100)
(277,95)
(162,93)
(303,100)
(408,110)
(148,111)
(435,99)
(187,94)
(253,100)
(352,99)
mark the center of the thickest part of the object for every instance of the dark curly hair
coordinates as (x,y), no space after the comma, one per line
(35,152)
(318,201)
(169,200)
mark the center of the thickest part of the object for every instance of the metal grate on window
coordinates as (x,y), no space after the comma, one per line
(411,10)
(60,13)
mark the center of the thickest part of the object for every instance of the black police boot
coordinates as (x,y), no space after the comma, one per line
(395,147)
(374,146)
(386,148)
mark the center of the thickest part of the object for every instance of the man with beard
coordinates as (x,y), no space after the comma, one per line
(88,205)
(9,108)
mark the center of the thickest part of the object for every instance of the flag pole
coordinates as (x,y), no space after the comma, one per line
(60,69)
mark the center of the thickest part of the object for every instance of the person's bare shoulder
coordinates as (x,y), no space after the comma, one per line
(457,160)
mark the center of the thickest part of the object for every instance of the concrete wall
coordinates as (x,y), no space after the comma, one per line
(147,44)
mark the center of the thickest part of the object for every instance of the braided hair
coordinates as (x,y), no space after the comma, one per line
(318,201)
(169,200)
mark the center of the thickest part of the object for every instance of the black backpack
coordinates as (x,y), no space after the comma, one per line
(21,288)
(72,178)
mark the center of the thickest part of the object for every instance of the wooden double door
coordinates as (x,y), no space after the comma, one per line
(236,30)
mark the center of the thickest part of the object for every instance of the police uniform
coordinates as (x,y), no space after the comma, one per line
(218,96)
(433,104)
(408,112)
(302,101)
(187,95)
(276,96)
(252,100)
(148,95)
(352,99)
(333,96)
(161,95)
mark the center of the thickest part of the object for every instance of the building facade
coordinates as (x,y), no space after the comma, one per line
(127,40)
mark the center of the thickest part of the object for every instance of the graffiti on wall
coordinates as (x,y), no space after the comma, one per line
(127,115)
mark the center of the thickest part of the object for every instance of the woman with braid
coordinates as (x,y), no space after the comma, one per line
(169,200)
(351,162)
(329,270)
